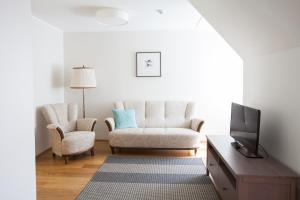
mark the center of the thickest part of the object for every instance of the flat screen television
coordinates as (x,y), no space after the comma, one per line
(244,128)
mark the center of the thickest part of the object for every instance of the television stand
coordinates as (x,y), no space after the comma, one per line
(244,151)
(237,177)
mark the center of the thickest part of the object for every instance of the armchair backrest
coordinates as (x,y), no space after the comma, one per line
(63,114)
(160,114)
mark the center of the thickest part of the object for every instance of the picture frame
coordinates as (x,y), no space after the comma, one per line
(148,64)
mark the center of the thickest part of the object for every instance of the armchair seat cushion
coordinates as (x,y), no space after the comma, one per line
(179,138)
(78,141)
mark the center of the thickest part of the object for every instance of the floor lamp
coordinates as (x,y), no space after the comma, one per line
(83,78)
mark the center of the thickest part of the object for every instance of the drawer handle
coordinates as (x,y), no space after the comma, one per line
(224,188)
(211,164)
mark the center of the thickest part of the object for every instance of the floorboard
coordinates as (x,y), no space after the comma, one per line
(58,181)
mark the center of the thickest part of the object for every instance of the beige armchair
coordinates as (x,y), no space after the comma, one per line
(70,136)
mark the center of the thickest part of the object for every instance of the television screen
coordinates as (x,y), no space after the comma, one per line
(244,127)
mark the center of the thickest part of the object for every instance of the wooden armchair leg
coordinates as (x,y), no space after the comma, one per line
(66,159)
(92,151)
(53,155)
(112,150)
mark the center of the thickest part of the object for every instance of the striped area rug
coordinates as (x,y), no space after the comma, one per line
(139,178)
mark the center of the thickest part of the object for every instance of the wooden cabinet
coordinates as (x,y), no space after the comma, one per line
(239,178)
(227,189)
(212,164)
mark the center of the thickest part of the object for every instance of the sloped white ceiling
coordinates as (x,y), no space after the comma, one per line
(79,15)
(254,27)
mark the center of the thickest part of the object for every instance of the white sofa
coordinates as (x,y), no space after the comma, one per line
(161,125)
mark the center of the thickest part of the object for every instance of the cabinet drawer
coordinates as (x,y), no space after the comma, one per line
(212,164)
(227,190)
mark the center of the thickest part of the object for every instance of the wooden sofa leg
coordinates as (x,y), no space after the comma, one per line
(66,159)
(112,150)
(92,151)
(53,155)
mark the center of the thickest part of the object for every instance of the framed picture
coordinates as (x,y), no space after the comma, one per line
(148,64)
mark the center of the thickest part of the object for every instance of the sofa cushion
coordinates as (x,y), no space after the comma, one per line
(161,114)
(155,138)
(155,114)
(124,118)
(138,106)
(178,114)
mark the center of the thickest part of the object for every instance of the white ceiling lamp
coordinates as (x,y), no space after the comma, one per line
(160,11)
(112,16)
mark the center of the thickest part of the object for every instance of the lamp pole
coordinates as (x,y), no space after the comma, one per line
(83,100)
(83,103)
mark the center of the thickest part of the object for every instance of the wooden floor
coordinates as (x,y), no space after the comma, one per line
(58,181)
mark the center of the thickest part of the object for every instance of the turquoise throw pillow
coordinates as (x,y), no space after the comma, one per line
(124,118)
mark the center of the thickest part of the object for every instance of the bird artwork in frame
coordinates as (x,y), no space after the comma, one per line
(148,64)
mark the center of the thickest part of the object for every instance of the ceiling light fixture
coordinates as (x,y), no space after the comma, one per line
(112,16)
(160,11)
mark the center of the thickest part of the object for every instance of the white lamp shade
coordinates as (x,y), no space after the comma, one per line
(83,77)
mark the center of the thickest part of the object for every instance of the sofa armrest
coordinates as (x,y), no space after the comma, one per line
(196,124)
(110,123)
(86,124)
(56,129)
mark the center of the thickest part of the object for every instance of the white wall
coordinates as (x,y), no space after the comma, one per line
(196,65)
(48,75)
(272,84)
(17,168)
